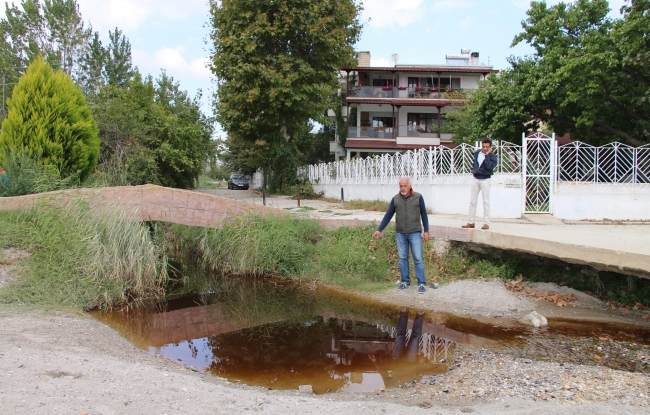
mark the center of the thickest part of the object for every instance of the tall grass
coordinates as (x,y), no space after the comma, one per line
(85,256)
(25,175)
(249,245)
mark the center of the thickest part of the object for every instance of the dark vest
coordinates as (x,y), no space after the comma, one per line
(407,213)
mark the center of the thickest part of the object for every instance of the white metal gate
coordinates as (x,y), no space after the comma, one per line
(538,173)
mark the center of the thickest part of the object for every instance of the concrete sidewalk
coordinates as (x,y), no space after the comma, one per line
(623,248)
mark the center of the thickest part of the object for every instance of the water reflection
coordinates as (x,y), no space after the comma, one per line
(281,335)
(328,353)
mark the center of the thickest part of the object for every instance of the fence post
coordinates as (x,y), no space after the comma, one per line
(634,162)
(523,173)
(551,187)
(430,166)
(415,166)
(452,170)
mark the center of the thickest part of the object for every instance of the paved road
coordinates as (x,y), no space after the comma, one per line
(607,246)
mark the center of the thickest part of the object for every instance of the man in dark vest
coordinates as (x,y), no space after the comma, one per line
(411,215)
(483,168)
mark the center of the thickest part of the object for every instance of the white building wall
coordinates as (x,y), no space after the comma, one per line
(585,201)
(448,197)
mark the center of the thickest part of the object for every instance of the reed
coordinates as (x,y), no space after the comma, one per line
(85,256)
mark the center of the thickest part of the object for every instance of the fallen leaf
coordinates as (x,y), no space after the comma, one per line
(603,339)
(646,317)
(597,357)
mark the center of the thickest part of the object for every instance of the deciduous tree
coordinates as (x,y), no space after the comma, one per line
(276,64)
(589,76)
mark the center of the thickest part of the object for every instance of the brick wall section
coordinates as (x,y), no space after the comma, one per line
(152,202)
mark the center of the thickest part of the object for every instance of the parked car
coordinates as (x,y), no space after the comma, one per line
(237,181)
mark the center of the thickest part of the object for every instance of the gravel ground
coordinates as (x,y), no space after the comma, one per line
(72,364)
(463,297)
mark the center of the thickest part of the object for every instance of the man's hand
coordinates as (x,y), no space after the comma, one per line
(490,150)
(425,237)
(376,235)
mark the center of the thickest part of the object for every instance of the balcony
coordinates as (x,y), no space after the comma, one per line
(373,91)
(370,132)
(405,92)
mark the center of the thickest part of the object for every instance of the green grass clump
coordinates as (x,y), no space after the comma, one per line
(24,175)
(349,257)
(83,256)
(369,205)
(251,245)
(207,182)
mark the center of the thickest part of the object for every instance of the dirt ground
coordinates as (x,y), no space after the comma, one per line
(69,363)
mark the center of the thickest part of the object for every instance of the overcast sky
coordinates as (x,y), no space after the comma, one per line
(171,34)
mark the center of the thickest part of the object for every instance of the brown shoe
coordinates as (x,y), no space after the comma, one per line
(468,226)
(485,227)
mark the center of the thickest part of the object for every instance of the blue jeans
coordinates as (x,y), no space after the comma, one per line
(414,240)
(400,347)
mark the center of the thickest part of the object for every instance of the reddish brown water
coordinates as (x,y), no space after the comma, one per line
(282,335)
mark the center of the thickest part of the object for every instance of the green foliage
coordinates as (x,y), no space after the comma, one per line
(53,29)
(589,76)
(24,175)
(248,245)
(277,64)
(83,256)
(280,160)
(48,119)
(105,65)
(462,123)
(155,130)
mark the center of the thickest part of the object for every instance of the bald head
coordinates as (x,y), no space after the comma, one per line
(405,186)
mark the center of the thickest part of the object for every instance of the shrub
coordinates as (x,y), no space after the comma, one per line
(49,120)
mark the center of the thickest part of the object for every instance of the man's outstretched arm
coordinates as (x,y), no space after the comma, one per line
(387,217)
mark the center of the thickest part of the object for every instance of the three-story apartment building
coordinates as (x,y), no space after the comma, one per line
(399,108)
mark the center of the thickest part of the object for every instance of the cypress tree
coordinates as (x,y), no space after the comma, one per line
(48,119)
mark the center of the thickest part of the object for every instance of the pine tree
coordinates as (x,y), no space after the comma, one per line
(48,119)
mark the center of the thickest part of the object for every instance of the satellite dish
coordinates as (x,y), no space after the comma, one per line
(394,57)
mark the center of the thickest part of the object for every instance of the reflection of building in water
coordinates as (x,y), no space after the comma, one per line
(433,346)
(437,342)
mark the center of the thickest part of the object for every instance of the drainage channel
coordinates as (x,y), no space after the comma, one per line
(281,334)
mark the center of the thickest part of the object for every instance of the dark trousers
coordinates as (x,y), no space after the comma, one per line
(400,348)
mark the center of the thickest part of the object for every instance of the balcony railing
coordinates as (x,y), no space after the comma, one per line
(412,130)
(370,132)
(405,92)
(373,91)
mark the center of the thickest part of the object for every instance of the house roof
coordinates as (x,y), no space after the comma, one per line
(428,69)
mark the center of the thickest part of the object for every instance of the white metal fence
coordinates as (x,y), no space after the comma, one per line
(614,167)
(422,166)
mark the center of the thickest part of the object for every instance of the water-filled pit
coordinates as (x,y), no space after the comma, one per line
(281,334)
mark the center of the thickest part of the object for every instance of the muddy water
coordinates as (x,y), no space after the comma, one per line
(280,335)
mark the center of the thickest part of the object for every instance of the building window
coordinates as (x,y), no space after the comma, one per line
(413,82)
(382,122)
(447,82)
(423,123)
(382,82)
